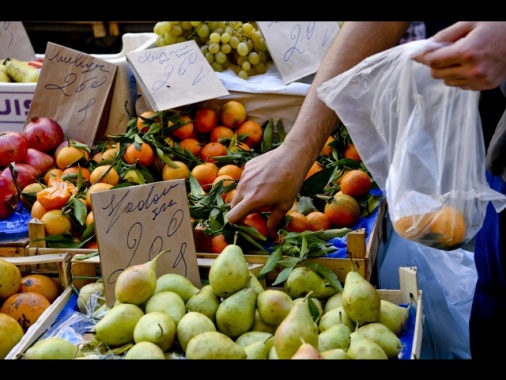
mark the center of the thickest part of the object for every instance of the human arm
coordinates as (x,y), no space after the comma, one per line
(275,178)
(475,59)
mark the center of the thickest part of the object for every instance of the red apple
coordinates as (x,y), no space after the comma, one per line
(24,174)
(43,133)
(13,147)
(205,120)
(41,161)
(9,197)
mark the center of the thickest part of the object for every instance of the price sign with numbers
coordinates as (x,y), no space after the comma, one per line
(14,41)
(133,224)
(175,75)
(75,89)
(298,47)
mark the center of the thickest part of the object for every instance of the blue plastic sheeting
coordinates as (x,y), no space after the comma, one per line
(16,224)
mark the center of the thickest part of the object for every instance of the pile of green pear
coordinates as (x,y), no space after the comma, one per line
(233,317)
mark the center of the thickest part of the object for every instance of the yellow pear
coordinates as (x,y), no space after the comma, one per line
(53,348)
(360,299)
(156,327)
(214,345)
(167,302)
(205,301)
(176,283)
(306,351)
(192,324)
(273,306)
(145,351)
(117,326)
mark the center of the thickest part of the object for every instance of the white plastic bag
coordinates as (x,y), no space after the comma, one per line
(421,141)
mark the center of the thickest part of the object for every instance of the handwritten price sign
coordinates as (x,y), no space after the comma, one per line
(134,224)
(75,89)
(14,41)
(175,75)
(298,47)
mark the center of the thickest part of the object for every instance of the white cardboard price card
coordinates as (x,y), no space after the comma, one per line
(14,41)
(135,223)
(175,75)
(298,47)
(75,89)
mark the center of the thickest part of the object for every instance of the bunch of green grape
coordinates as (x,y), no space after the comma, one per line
(235,45)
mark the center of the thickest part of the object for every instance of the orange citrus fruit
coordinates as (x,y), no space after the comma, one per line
(205,174)
(318,221)
(70,155)
(232,114)
(11,333)
(412,227)
(168,172)
(56,222)
(40,283)
(56,194)
(71,173)
(343,210)
(145,154)
(55,172)
(230,195)
(298,222)
(26,308)
(252,130)
(256,220)
(220,132)
(37,210)
(185,130)
(205,119)
(315,168)
(90,218)
(104,173)
(142,126)
(327,148)
(97,187)
(211,150)
(192,145)
(449,227)
(232,170)
(218,243)
(351,152)
(356,183)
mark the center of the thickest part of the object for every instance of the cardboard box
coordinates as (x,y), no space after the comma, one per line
(15,98)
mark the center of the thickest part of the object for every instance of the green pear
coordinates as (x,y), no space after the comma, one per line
(336,336)
(117,326)
(272,355)
(145,350)
(393,316)
(257,350)
(91,297)
(176,283)
(205,301)
(306,351)
(53,348)
(138,282)
(168,302)
(214,345)
(157,327)
(333,301)
(336,353)
(255,283)
(249,337)
(273,306)
(360,300)
(236,313)
(260,325)
(229,272)
(296,328)
(192,324)
(384,337)
(302,280)
(361,347)
(336,316)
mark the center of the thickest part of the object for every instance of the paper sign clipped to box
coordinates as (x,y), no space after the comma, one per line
(298,47)
(175,75)
(75,89)
(135,223)
(14,41)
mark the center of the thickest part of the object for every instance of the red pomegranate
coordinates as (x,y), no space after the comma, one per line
(9,197)
(44,134)
(13,148)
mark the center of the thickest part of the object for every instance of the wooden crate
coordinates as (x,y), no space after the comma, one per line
(363,255)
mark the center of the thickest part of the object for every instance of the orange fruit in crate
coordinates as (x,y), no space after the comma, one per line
(56,194)
(72,172)
(218,243)
(327,149)
(142,126)
(298,222)
(356,183)
(101,186)
(11,333)
(351,152)
(232,170)
(10,279)
(104,173)
(185,131)
(142,153)
(220,132)
(26,308)
(70,155)
(318,221)
(256,220)
(182,171)
(56,222)
(40,283)
(191,145)
(232,114)
(315,168)
(343,210)
(37,210)
(205,174)
(211,150)
(51,173)
(253,131)
(205,119)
